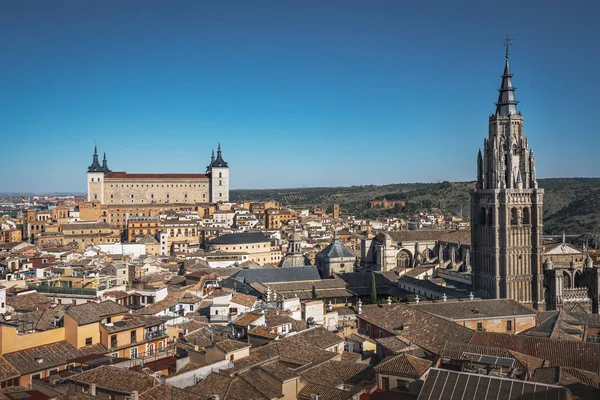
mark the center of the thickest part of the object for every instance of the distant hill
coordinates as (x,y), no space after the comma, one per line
(570,204)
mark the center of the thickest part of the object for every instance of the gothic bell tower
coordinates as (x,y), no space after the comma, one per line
(506,208)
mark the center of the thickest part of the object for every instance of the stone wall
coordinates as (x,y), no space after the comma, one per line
(157,191)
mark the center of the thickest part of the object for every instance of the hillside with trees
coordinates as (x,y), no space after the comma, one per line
(570,204)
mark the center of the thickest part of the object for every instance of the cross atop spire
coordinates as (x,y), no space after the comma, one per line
(507,43)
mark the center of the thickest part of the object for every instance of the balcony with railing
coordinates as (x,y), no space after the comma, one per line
(150,335)
(63,290)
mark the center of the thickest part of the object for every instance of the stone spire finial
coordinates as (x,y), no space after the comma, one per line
(471,297)
(506,104)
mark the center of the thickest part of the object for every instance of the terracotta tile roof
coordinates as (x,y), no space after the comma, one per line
(171,300)
(581,383)
(575,354)
(117,379)
(279,371)
(166,392)
(29,302)
(253,379)
(403,365)
(7,371)
(355,337)
(336,373)
(462,236)
(119,176)
(475,309)
(416,235)
(324,392)
(199,338)
(48,356)
(130,322)
(350,357)
(117,294)
(89,313)
(247,319)
(557,325)
(226,387)
(277,319)
(229,345)
(425,330)
(395,344)
(297,354)
(262,331)
(318,337)
(244,299)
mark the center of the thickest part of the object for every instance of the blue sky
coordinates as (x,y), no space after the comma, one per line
(299,93)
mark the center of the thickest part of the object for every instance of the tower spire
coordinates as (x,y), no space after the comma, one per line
(105,164)
(95,167)
(506,104)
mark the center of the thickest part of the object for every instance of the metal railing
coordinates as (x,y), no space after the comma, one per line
(63,290)
(155,334)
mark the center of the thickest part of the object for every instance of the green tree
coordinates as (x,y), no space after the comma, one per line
(373,289)
(314,292)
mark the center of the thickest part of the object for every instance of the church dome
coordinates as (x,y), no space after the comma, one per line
(335,250)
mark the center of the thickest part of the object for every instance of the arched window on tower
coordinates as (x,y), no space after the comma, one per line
(490,217)
(526,216)
(482,217)
(514,219)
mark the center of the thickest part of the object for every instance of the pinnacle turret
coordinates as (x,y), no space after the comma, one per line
(105,165)
(95,167)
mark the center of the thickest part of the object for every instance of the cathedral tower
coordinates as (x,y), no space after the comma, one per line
(506,208)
